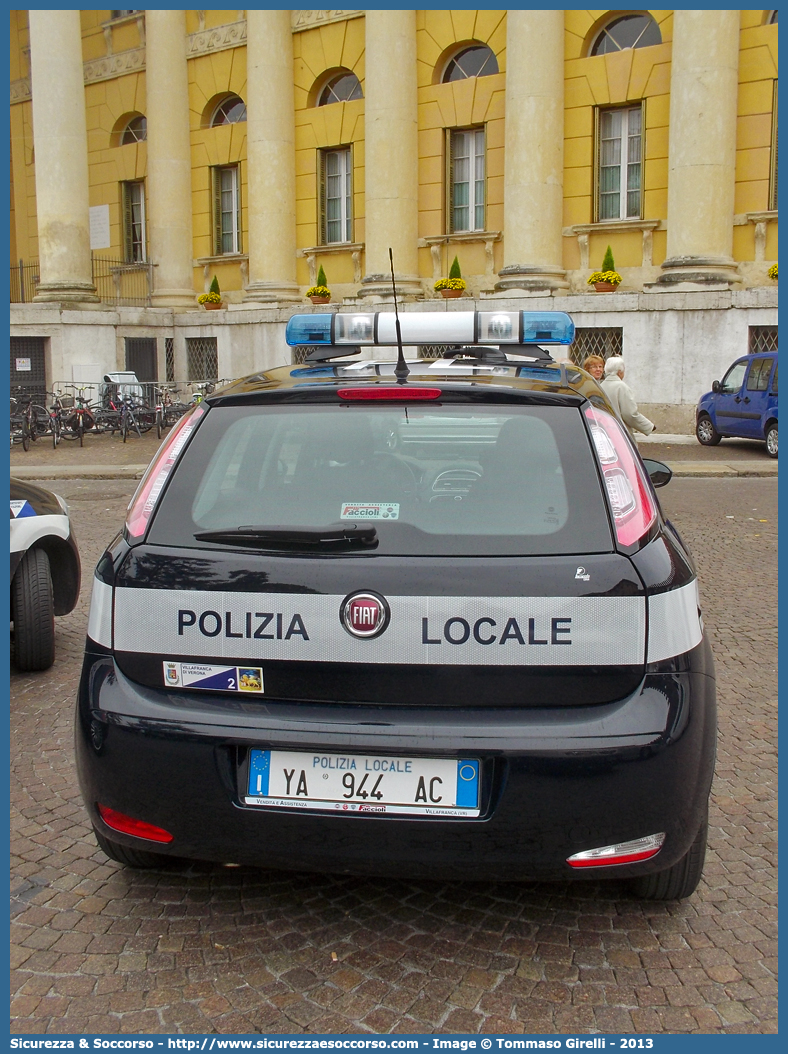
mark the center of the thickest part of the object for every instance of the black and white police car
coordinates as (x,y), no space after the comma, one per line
(417,618)
(45,572)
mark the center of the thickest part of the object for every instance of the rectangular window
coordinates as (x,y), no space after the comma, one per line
(466,180)
(336,196)
(619,150)
(133,196)
(226,210)
(773,175)
(202,359)
(598,341)
(762,338)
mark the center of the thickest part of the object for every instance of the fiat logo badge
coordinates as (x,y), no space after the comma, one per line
(364,614)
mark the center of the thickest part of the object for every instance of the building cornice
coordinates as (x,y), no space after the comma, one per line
(301,20)
(112,66)
(220,38)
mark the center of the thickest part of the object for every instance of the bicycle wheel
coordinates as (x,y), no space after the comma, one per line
(144,419)
(159,423)
(124,426)
(25,436)
(31,423)
(54,423)
(80,429)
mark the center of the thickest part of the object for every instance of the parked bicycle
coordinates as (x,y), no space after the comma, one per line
(168,411)
(81,418)
(26,418)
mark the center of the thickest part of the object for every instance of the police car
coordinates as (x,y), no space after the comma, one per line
(45,572)
(377,614)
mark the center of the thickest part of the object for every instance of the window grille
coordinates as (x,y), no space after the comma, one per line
(602,342)
(202,359)
(431,351)
(762,338)
(169,358)
(619,149)
(299,353)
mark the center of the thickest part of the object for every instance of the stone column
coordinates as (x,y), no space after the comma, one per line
(169,189)
(391,153)
(60,141)
(270,144)
(534,158)
(702,149)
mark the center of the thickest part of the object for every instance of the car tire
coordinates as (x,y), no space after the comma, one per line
(33,612)
(771,440)
(679,881)
(705,431)
(141,859)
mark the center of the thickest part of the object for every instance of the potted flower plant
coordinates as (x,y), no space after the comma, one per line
(608,279)
(211,301)
(320,293)
(772,272)
(454,285)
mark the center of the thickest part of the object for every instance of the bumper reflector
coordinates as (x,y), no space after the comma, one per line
(620,853)
(120,822)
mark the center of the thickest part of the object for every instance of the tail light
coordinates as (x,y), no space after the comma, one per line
(148,492)
(631,502)
(620,852)
(118,821)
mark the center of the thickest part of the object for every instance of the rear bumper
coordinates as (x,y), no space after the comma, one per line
(555,782)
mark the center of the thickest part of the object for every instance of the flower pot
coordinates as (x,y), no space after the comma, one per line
(451,294)
(605,287)
(320,299)
(212,307)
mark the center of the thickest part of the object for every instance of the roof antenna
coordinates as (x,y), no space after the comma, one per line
(401,370)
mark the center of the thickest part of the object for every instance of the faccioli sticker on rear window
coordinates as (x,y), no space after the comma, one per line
(369,510)
(213,678)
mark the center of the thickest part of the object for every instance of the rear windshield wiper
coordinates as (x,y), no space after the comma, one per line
(333,537)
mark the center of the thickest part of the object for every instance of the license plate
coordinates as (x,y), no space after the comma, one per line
(363,783)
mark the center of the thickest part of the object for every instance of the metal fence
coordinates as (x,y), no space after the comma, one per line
(117,283)
(122,284)
(24,281)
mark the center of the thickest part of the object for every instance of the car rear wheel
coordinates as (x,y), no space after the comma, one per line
(33,611)
(679,881)
(138,858)
(706,432)
(771,440)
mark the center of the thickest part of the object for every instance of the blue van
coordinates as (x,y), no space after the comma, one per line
(742,404)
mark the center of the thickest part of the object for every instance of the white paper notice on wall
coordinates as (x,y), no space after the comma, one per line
(23,364)
(99,227)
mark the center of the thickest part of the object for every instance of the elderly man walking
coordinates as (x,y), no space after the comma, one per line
(622,399)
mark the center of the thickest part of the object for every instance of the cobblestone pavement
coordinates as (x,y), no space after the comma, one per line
(97,948)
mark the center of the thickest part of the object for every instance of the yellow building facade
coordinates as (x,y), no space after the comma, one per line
(114,66)
(153,151)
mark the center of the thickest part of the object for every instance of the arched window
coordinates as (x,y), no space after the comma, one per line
(628,31)
(474,61)
(343,86)
(136,131)
(230,110)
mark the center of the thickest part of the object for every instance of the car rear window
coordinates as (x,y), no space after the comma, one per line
(450,479)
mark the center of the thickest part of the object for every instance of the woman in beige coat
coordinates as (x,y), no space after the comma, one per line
(622,399)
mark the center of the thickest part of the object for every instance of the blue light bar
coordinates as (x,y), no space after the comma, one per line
(433,327)
(309,329)
(547,327)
